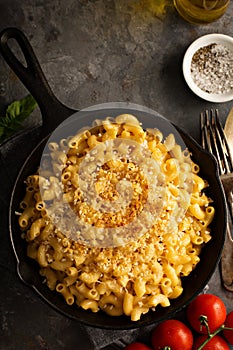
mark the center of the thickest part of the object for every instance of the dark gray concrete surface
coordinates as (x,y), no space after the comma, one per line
(92,51)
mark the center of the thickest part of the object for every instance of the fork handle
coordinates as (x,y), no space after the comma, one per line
(226,263)
(228,187)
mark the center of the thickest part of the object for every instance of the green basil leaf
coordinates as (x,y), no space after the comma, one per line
(16,113)
(21,109)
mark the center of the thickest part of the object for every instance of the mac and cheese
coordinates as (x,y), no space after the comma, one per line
(133,277)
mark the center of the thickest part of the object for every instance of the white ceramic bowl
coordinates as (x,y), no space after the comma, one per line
(205,40)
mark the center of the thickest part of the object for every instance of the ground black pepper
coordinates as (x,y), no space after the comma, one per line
(212,69)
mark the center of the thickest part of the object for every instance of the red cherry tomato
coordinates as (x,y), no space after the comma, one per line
(216,343)
(228,334)
(210,306)
(137,346)
(173,334)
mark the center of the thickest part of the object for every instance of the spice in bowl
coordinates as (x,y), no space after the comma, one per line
(208,67)
(212,68)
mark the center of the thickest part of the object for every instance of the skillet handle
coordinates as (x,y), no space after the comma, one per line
(34,80)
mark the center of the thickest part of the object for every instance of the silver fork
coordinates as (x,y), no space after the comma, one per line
(214,140)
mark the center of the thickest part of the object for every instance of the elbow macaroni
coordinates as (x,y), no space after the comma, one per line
(130,279)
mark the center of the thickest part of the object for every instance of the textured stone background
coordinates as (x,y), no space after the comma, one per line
(103,51)
(93,51)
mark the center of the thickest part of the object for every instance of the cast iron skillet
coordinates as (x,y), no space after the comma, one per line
(53,113)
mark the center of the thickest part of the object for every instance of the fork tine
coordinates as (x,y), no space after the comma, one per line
(214,140)
(205,135)
(209,137)
(217,142)
(228,163)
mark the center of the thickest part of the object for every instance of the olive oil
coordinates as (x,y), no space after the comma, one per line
(201,11)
